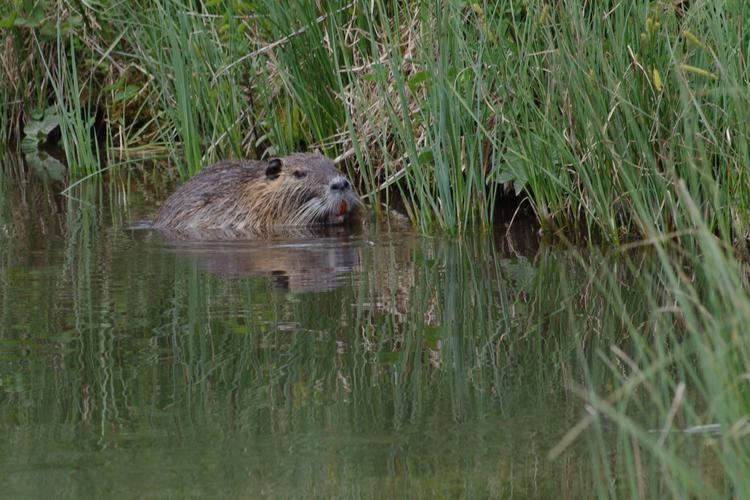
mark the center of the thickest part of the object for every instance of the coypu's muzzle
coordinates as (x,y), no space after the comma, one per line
(343,201)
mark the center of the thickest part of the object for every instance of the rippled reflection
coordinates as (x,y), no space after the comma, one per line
(370,363)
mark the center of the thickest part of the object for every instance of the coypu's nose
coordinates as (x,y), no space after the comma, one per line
(340,184)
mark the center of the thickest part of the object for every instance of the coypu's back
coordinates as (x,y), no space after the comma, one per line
(297,190)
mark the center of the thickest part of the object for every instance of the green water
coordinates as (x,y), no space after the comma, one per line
(353,364)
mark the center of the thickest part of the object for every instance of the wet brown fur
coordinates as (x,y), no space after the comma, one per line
(246,196)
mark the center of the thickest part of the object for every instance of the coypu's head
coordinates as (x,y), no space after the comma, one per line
(303,189)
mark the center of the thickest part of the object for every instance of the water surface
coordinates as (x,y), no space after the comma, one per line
(343,364)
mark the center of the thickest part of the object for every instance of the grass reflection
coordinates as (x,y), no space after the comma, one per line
(426,370)
(433,367)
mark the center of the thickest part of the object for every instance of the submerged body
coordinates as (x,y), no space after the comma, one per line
(248,195)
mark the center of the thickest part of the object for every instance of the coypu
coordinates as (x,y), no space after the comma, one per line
(247,195)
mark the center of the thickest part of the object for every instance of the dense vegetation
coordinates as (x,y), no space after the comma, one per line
(624,120)
(598,111)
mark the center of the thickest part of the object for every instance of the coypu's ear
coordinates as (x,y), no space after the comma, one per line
(273,168)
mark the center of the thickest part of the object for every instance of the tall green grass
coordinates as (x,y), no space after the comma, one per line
(687,370)
(593,111)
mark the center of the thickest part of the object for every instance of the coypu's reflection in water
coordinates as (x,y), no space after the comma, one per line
(295,259)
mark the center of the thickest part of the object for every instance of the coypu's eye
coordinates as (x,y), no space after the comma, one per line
(299,174)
